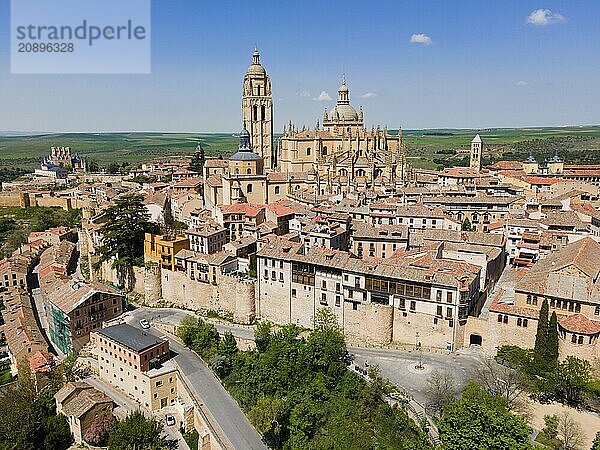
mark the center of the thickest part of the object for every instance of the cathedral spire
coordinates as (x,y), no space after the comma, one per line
(255,56)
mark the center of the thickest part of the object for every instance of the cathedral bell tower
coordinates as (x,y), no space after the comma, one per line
(257,110)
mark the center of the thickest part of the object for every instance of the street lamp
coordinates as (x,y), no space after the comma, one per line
(419,366)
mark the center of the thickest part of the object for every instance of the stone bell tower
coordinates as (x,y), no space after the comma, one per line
(257,110)
(476,150)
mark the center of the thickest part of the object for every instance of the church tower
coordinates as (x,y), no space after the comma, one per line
(476,150)
(257,110)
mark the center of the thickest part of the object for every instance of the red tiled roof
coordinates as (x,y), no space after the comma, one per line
(541,180)
(578,323)
(507,165)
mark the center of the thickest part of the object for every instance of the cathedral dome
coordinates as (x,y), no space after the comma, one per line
(345,112)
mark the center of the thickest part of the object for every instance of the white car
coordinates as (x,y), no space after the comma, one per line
(169,420)
(144,324)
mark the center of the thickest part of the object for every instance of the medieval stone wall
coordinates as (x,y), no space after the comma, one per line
(370,324)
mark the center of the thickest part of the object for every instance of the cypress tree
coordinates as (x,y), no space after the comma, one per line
(541,338)
(552,342)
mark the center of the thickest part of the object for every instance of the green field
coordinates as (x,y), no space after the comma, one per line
(426,148)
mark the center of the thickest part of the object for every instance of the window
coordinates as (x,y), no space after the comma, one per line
(324,285)
(281,277)
(294,293)
(413,305)
(448,312)
(597,311)
(439,311)
(519,322)
(354,306)
(337,300)
(580,340)
(402,304)
(438,296)
(249,187)
(449,297)
(248,171)
(525,323)
(505,319)
(535,299)
(529,299)
(574,339)
(323,299)
(308,151)
(277,190)
(337,287)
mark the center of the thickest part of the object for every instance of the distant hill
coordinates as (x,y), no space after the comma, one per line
(429,148)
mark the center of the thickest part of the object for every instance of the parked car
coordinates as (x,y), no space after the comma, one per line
(144,324)
(170,420)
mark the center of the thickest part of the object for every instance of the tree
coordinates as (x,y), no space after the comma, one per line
(480,421)
(58,433)
(541,337)
(92,166)
(267,417)
(113,167)
(504,382)
(122,233)
(573,376)
(262,335)
(596,443)
(98,431)
(552,342)
(137,432)
(187,329)
(466,225)
(222,364)
(440,389)
(569,432)
(206,340)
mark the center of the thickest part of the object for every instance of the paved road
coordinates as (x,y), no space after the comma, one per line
(217,400)
(399,367)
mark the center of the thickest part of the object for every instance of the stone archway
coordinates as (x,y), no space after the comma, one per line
(475,339)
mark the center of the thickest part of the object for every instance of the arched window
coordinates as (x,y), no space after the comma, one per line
(255,110)
(324,151)
(308,151)
(237,171)
(248,170)
(249,188)
(263,113)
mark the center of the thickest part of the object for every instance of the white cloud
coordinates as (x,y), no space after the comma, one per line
(420,39)
(369,95)
(543,17)
(522,83)
(305,94)
(323,97)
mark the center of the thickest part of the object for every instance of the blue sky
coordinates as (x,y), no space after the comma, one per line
(484,67)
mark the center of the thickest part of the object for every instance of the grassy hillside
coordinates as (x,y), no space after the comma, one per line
(426,148)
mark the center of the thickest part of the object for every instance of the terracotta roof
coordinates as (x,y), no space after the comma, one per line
(541,180)
(578,323)
(74,292)
(507,165)
(242,208)
(41,362)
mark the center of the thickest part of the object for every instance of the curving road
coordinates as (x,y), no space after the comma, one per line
(225,410)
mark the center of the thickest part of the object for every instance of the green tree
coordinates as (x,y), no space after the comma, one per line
(262,335)
(58,434)
(126,221)
(139,433)
(206,340)
(480,421)
(113,167)
(187,329)
(573,375)
(552,342)
(596,443)
(541,337)
(466,225)
(267,415)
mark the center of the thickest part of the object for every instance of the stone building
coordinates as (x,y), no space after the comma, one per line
(476,151)
(342,152)
(138,364)
(376,301)
(569,280)
(257,109)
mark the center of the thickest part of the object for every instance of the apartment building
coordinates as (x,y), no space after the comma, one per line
(137,363)
(207,238)
(378,242)
(375,301)
(76,308)
(163,249)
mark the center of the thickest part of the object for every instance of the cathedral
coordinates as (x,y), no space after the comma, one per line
(342,151)
(338,157)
